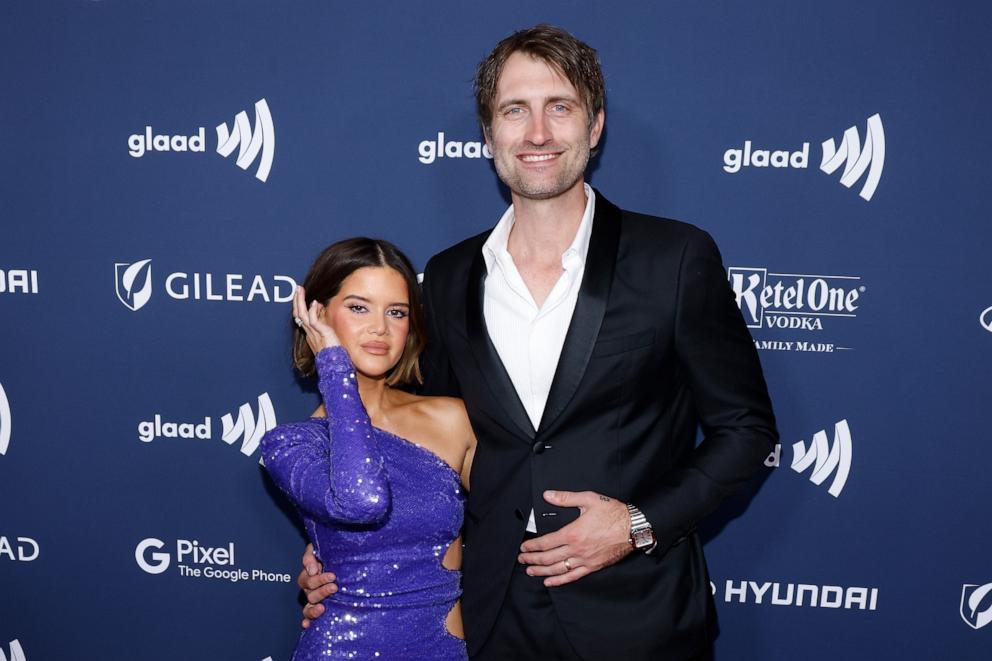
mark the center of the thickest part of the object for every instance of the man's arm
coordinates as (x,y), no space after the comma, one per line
(728,391)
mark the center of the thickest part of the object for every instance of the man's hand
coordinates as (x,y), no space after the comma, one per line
(317,586)
(599,538)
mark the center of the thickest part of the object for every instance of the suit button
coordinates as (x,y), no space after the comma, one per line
(538,447)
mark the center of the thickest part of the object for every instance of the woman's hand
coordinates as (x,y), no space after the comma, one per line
(311,322)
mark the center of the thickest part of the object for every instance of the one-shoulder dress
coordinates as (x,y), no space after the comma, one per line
(380,511)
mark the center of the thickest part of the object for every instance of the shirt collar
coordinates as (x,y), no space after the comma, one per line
(495,245)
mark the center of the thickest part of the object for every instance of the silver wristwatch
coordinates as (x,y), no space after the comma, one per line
(641,534)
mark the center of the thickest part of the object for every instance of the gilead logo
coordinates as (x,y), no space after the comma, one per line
(21,549)
(134,286)
(976,605)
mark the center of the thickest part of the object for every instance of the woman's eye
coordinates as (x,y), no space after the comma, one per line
(398,314)
(357,308)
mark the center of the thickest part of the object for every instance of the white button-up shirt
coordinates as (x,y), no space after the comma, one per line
(529,338)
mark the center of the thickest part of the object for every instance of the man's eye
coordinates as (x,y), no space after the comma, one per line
(559,107)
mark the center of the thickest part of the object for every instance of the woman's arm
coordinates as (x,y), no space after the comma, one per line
(333,472)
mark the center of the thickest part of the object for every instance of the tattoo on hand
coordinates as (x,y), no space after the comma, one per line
(605,499)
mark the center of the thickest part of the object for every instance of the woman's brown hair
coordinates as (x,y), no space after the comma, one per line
(323,282)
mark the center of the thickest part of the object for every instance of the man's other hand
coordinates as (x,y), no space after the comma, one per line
(316,584)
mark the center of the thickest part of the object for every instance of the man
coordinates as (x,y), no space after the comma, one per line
(589,344)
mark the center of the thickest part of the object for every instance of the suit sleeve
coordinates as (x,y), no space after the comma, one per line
(334,472)
(728,389)
(439,378)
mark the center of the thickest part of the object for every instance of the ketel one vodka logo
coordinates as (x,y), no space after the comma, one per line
(855,157)
(794,301)
(250,142)
(249,427)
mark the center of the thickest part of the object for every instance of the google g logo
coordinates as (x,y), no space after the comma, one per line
(159,561)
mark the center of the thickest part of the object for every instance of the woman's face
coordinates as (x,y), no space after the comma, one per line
(371,317)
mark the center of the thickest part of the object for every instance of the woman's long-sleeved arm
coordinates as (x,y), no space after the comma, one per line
(333,472)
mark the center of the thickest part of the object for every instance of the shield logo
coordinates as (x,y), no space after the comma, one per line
(134,283)
(976,605)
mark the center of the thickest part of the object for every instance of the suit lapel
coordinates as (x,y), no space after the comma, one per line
(486,356)
(589,309)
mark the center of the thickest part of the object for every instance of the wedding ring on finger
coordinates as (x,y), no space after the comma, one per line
(568,566)
(298,321)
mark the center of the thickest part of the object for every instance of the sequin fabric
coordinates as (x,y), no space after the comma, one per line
(380,511)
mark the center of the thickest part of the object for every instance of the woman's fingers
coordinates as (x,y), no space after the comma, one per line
(299,307)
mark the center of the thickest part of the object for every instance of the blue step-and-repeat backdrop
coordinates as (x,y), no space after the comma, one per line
(168,171)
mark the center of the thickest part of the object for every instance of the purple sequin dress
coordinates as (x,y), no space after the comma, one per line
(381,512)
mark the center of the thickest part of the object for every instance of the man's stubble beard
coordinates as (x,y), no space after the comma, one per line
(566,179)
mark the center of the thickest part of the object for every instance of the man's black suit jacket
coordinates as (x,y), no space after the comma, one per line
(656,347)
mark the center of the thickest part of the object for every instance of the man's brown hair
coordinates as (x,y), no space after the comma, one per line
(574,59)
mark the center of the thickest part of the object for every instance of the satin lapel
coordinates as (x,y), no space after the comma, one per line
(491,367)
(589,309)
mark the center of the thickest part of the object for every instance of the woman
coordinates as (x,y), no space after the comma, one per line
(376,473)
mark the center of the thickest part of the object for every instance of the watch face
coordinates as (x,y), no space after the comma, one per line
(643,538)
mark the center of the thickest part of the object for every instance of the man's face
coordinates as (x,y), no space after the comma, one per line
(540,135)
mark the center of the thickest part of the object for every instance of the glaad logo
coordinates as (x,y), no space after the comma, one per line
(249,427)
(433,149)
(251,142)
(23,549)
(134,286)
(246,428)
(976,605)
(985,319)
(4,421)
(248,141)
(794,301)
(196,560)
(16,653)
(799,594)
(18,281)
(857,159)
(134,283)
(825,458)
